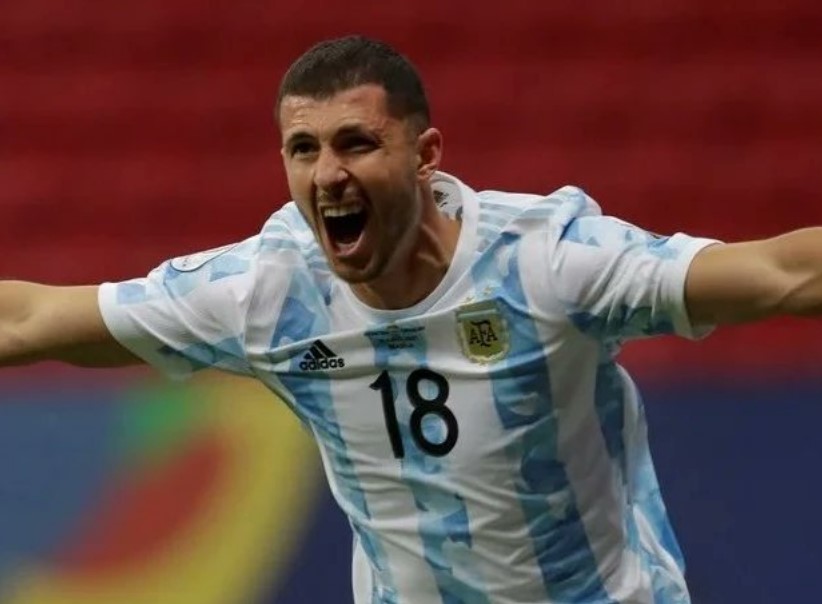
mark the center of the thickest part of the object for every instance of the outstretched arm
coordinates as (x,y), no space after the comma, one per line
(41,322)
(753,280)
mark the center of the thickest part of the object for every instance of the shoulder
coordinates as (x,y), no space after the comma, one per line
(283,230)
(502,211)
(284,245)
(284,226)
(287,234)
(291,260)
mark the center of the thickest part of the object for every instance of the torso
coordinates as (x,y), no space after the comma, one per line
(470,440)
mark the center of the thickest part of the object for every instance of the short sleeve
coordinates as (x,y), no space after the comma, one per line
(616,280)
(189,312)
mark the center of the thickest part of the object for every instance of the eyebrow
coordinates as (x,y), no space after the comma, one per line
(344,131)
(352,129)
(297,137)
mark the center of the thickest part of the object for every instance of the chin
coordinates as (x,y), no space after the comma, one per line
(355,276)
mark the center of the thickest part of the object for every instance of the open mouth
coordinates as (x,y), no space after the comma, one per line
(344,223)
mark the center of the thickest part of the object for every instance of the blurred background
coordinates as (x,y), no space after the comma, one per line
(134,132)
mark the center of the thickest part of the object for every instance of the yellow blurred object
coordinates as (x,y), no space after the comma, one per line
(235,544)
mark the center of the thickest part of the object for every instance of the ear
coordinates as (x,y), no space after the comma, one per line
(429,153)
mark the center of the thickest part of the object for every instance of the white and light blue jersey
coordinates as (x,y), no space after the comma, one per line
(484,443)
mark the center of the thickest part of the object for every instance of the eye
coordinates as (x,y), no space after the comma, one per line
(358,144)
(301,148)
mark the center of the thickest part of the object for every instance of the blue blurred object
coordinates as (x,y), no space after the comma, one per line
(55,454)
(739,466)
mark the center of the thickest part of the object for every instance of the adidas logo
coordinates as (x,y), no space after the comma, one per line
(320,357)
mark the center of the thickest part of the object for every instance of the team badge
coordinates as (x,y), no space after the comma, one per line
(482,331)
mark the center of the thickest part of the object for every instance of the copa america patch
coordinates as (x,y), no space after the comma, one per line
(186,264)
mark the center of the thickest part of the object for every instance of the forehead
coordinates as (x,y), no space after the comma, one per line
(364,105)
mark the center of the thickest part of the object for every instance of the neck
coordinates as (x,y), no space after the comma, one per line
(419,272)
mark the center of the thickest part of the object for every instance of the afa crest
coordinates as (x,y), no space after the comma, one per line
(482,331)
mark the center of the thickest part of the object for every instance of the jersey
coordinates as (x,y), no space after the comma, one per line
(484,444)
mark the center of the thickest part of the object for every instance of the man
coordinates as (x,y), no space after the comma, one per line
(451,351)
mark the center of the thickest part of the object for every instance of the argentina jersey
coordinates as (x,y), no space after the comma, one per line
(484,444)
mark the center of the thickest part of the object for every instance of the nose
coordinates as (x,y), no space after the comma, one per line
(329,173)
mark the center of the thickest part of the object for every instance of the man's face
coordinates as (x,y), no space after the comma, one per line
(353,170)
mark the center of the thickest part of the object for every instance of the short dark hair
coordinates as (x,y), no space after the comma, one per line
(340,64)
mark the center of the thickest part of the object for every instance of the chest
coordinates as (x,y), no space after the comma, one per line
(452,384)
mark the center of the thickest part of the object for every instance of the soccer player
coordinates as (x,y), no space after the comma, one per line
(452,351)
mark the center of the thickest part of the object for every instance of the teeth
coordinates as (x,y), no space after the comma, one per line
(351,207)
